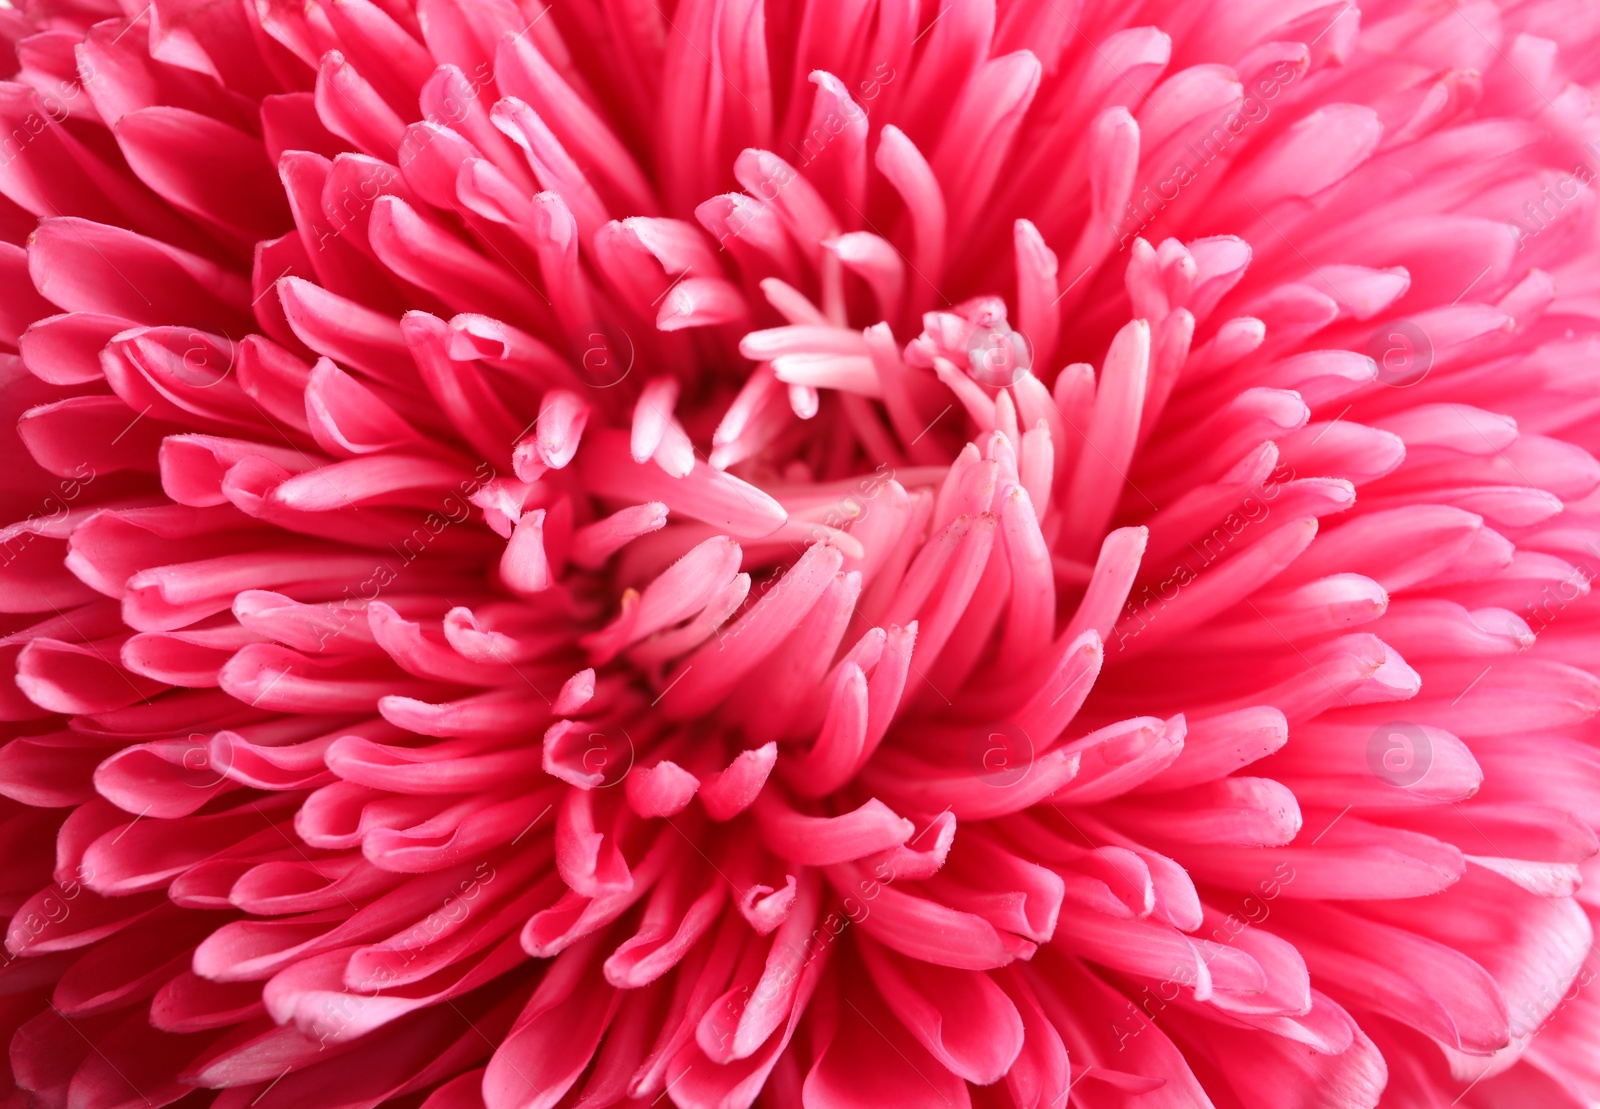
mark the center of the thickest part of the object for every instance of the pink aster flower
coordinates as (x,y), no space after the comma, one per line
(1008,554)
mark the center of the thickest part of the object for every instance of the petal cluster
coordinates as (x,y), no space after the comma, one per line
(1015,553)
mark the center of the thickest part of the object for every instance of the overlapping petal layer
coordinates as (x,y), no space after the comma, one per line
(1005,553)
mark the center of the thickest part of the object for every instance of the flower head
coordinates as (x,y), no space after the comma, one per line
(800,554)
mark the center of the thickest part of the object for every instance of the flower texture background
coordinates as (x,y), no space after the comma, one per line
(1001,553)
